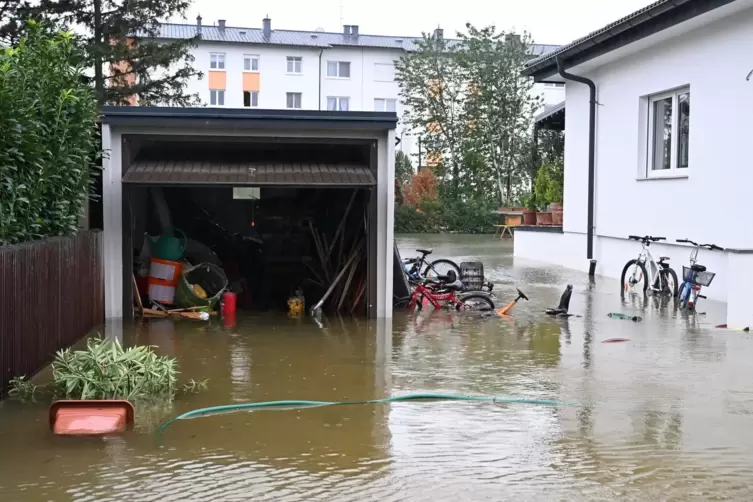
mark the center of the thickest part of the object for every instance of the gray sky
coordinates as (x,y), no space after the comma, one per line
(550,21)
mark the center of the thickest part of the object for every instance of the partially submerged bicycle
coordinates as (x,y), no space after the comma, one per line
(659,277)
(695,276)
(446,291)
(435,269)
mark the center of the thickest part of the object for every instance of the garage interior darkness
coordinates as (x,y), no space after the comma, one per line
(278,216)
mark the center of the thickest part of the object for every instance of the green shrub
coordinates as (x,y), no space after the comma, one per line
(48,137)
(436,216)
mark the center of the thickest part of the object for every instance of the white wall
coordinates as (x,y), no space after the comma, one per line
(706,205)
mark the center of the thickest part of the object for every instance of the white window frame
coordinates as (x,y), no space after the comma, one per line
(338,101)
(384,103)
(254,94)
(339,67)
(558,85)
(214,95)
(294,61)
(384,63)
(251,58)
(300,100)
(674,170)
(217,60)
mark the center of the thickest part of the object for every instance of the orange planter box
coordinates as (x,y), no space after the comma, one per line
(90,417)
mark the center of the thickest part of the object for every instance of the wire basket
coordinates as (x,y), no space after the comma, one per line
(472,275)
(700,278)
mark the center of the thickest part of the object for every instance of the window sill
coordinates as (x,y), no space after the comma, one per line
(337,78)
(665,177)
(216,69)
(293,74)
(251,71)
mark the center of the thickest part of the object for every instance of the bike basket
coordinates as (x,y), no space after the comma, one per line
(472,275)
(700,278)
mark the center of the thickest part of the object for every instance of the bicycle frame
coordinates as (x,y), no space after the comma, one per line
(421,291)
(690,290)
(654,276)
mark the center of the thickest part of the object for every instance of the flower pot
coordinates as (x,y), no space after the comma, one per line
(544,218)
(555,206)
(529,217)
(557,218)
(90,417)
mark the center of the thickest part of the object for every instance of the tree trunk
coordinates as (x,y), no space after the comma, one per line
(99,81)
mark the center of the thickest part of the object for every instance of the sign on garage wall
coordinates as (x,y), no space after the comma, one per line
(246,193)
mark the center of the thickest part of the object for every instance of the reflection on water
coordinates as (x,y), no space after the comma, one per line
(665,416)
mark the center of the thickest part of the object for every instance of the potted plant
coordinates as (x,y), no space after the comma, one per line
(554,193)
(541,188)
(529,209)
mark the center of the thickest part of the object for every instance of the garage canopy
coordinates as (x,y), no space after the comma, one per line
(249,174)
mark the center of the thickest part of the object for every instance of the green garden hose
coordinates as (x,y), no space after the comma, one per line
(216,410)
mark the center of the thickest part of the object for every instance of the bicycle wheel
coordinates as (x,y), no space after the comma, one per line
(402,303)
(632,275)
(478,303)
(670,282)
(441,267)
(683,295)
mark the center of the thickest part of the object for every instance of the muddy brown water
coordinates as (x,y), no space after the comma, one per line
(665,416)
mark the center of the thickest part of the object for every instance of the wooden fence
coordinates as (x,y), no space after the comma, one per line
(51,295)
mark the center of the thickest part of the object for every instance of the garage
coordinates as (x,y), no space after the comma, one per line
(285,202)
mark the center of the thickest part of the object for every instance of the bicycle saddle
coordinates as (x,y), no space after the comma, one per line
(424,251)
(698,268)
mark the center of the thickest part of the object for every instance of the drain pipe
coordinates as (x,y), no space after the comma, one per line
(591,159)
(321,51)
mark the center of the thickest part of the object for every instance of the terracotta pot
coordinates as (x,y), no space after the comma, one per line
(544,218)
(501,209)
(529,217)
(555,206)
(519,209)
(557,218)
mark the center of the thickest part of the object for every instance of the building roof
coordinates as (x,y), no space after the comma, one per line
(649,20)
(205,117)
(314,39)
(552,117)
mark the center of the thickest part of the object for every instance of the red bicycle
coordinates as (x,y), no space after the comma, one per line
(442,292)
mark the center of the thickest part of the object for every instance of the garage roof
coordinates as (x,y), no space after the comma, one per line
(248,174)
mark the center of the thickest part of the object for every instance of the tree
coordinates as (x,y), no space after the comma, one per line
(500,104)
(433,88)
(403,168)
(48,137)
(118,35)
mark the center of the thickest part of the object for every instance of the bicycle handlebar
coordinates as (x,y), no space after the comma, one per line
(646,238)
(712,247)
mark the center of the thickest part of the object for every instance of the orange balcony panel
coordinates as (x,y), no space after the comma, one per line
(217,80)
(251,82)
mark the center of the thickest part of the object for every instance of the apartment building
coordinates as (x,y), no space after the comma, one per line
(311,70)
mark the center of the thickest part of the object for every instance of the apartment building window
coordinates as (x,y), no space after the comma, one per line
(217,61)
(295,64)
(294,99)
(250,99)
(251,62)
(385,105)
(668,138)
(338,69)
(384,72)
(338,104)
(217,97)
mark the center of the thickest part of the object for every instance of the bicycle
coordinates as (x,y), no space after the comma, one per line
(444,292)
(695,277)
(662,278)
(434,269)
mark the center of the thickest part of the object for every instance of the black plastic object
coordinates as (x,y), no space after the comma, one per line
(472,275)
(564,307)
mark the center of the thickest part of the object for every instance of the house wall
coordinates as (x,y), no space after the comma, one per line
(708,205)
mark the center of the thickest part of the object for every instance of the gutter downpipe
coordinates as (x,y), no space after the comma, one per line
(321,51)
(591,159)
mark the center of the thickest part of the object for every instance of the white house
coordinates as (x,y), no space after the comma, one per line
(311,70)
(684,64)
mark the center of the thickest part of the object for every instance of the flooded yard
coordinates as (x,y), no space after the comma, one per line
(664,416)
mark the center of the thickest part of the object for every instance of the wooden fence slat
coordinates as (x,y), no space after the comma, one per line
(51,295)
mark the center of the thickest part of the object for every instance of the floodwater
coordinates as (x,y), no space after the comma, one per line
(665,416)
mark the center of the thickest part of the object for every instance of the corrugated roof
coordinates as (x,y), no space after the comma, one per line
(315,39)
(248,174)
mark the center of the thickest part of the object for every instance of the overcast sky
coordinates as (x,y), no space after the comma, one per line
(549,21)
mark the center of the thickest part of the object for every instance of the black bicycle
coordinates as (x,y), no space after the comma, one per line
(418,269)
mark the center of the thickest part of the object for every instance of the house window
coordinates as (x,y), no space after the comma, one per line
(251,63)
(668,133)
(294,99)
(385,105)
(338,69)
(384,72)
(554,84)
(250,99)
(294,64)
(338,104)
(217,97)
(217,61)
